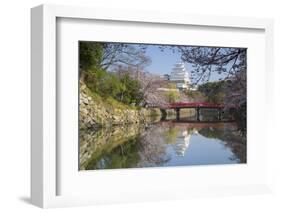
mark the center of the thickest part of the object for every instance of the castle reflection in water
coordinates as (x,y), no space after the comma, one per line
(182,141)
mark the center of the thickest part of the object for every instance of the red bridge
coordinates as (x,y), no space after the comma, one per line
(196,105)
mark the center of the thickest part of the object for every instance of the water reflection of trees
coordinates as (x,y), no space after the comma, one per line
(123,156)
(152,149)
(105,148)
(122,147)
(233,139)
(146,146)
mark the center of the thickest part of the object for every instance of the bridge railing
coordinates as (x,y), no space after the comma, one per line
(193,105)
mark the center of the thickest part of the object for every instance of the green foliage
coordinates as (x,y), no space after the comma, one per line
(214,91)
(106,84)
(129,90)
(90,55)
(100,81)
(173,94)
(195,95)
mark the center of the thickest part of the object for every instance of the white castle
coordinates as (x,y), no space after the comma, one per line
(180,76)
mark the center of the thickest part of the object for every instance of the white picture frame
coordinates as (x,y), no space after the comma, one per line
(45,178)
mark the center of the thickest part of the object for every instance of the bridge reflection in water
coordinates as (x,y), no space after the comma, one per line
(163,143)
(198,107)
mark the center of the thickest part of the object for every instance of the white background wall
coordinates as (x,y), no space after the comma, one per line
(15,99)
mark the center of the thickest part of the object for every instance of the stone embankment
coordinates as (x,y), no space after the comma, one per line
(95,112)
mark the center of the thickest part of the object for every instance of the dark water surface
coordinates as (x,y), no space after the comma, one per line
(164,143)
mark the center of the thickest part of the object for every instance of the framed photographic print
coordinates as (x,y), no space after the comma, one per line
(131,105)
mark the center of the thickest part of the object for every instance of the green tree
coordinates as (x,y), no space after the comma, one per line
(96,62)
(196,95)
(172,94)
(214,91)
(90,57)
(130,90)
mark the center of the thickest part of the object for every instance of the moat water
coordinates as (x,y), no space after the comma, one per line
(163,143)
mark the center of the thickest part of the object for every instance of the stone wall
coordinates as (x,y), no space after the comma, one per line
(95,113)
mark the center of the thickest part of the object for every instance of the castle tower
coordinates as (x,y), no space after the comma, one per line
(180,76)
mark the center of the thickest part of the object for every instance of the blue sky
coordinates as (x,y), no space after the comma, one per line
(163,62)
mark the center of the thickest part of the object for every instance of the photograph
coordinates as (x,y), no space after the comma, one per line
(161,105)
